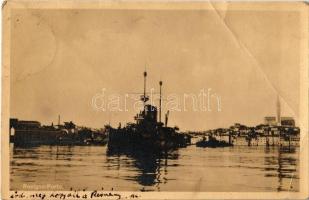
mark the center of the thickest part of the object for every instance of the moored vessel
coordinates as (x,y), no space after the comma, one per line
(148,132)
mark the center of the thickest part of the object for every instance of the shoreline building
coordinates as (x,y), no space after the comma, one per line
(279,120)
(270,120)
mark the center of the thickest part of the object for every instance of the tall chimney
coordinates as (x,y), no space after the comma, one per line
(278,112)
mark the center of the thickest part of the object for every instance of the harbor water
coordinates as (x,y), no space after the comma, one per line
(237,169)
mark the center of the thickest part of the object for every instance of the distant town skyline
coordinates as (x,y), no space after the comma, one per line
(62,59)
(273,120)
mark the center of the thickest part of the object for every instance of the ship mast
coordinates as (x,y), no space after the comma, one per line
(160,104)
(145,75)
(144,98)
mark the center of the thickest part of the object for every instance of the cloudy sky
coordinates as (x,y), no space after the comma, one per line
(62,59)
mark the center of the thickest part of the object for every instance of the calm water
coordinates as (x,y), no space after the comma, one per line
(189,169)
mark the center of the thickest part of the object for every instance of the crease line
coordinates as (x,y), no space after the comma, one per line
(252,57)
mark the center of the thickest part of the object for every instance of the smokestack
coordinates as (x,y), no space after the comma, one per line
(58,120)
(278,112)
(166,118)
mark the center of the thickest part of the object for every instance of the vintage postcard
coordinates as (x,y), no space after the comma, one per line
(154,100)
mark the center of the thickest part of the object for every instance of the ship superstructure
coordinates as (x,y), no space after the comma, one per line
(147,131)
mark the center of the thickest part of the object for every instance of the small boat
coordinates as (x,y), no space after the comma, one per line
(212,142)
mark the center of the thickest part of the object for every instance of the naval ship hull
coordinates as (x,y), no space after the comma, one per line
(118,138)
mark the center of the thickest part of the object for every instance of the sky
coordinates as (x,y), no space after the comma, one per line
(63,60)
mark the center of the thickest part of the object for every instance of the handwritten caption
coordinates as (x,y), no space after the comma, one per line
(66,195)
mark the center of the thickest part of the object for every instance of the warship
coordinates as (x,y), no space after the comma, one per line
(147,132)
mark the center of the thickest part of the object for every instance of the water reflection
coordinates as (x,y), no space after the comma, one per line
(249,169)
(283,166)
(152,166)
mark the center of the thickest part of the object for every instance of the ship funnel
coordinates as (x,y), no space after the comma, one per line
(166,118)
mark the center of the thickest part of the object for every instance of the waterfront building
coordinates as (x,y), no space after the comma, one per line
(287,121)
(270,121)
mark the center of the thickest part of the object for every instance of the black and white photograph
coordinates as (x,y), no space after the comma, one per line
(155,100)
